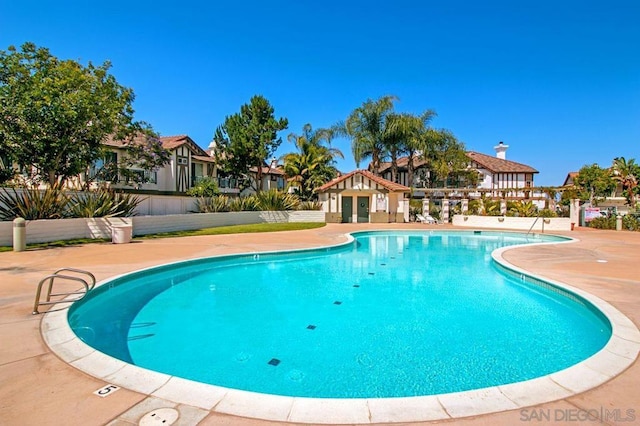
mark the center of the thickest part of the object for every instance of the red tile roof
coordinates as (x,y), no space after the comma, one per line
(387,184)
(569,180)
(491,163)
(168,142)
(402,163)
(498,165)
(205,158)
(268,170)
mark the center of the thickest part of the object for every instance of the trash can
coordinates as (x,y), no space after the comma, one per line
(121,234)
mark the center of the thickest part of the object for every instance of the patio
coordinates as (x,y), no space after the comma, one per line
(39,388)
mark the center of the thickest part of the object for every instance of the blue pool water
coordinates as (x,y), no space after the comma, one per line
(392,314)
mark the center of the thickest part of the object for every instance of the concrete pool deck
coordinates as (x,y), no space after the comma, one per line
(37,387)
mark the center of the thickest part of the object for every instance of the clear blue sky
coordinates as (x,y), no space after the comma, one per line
(558,81)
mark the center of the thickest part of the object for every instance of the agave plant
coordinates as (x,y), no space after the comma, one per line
(310,205)
(243,204)
(274,200)
(103,203)
(32,204)
(215,204)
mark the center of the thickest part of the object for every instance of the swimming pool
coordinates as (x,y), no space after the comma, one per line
(379,317)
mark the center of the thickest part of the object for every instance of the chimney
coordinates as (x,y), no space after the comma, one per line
(501,150)
(274,163)
(212,147)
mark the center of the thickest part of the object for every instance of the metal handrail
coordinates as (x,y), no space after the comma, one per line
(87,287)
(534,224)
(80,271)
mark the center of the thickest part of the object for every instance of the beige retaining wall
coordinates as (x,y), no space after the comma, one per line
(40,231)
(546,224)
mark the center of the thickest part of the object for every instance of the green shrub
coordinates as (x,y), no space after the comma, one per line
(631,222)
(603,222)
(206,187)
(33,204)
(215,204)
(103,202)
(310,205)
(274,200)
(522,209)
(547,213)
(244,204)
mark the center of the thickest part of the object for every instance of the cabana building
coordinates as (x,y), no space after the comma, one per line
(361,197)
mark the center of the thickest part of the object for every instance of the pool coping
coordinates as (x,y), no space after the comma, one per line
(617,355)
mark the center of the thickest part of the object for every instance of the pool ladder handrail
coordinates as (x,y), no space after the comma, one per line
(534,224)
(86,288)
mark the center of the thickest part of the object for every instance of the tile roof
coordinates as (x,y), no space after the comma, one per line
(491,163)
(205,158)
(391,186)
(569,180)
(498,165)
(168,142)
(402,163)
(268,170)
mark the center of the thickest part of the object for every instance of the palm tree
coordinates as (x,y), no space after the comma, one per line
(444,154)
(396,133)
(402,136)
(366,126)
(420,137)
(627,173)
(313,163)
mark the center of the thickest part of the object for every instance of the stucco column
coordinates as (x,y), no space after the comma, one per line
(444,214)
(465,205)
(425,206)
(574,211)
(503,206)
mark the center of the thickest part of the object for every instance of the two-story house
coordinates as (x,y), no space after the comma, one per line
(188,164)
(498,177)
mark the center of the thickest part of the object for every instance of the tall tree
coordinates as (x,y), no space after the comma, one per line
(445,156)
(313,164)
(397,133)
(55,113)
(366,126)
(593,181)
(628,174)
(408,135)
(248,138)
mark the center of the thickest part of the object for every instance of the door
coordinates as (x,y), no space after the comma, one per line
(347,209)
(363,209)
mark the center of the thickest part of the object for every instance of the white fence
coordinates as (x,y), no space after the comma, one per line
(41,231)
(542,224)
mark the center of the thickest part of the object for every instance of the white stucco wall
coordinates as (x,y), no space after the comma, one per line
(518,223)
(40,231)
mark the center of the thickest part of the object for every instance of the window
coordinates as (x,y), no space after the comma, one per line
(105,169)
(183,160)
(151,176)
(5,163)
(143,176)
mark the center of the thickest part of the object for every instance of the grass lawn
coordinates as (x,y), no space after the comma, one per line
(235,229)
